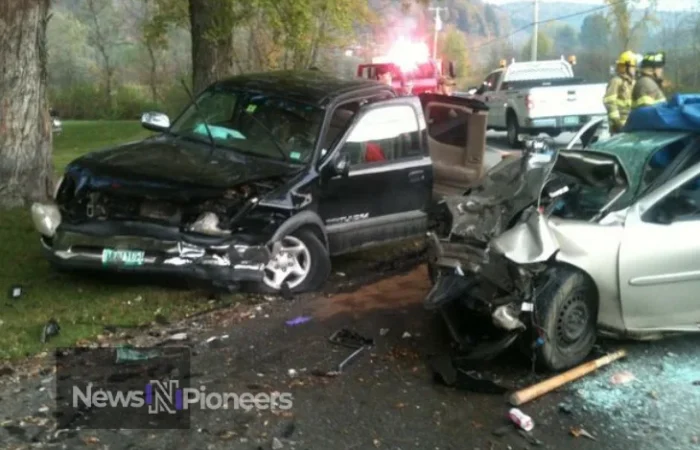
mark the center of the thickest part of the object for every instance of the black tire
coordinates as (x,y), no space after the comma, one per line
(567,310)
(512,130)
(320,264)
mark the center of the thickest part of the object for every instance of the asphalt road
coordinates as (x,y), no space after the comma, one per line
(387,398)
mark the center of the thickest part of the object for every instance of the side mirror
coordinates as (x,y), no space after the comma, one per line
(155,121)
(341,165)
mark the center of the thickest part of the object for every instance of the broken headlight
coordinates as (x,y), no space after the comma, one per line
(208,223)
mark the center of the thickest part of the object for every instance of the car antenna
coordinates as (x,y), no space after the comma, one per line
(201,116)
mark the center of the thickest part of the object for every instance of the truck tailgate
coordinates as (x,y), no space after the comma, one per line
(573,100)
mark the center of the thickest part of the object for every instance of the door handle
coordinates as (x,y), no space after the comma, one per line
(416,176)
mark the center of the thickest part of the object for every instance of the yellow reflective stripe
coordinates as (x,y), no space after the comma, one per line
(646,100)
(615,115)
(610,98)
(623,103)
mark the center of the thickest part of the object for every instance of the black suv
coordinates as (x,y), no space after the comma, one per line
(262,179)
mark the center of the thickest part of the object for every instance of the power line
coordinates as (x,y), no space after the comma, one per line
(540,22)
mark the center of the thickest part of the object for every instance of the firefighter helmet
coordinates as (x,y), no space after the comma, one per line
(627,58)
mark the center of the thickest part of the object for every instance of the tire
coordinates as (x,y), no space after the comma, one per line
(567,310)
(513,129)
(318,268)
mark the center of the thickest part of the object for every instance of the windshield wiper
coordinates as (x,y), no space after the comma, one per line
(272,137)
(201,116)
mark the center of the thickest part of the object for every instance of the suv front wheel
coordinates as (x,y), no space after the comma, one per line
(300,260)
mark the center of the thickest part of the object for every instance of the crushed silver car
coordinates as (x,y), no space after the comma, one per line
(554,248)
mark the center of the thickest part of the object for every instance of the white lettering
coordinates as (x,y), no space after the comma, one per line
(99,398)
(245,401)
(189,396)
(85,397)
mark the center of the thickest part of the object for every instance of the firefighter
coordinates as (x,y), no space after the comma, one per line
(618,95)
(647,90)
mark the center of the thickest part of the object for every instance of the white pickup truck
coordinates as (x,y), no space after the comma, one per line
(529,98)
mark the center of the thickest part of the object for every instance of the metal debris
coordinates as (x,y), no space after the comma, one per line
(50,330)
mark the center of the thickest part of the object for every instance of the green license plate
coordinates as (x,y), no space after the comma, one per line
(122,257)
(572,120)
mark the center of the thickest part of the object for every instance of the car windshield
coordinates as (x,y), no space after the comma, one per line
(253,123)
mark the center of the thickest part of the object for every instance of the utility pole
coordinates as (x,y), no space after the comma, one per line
(438,27)
(535,30)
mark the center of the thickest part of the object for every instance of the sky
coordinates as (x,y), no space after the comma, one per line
(662,5)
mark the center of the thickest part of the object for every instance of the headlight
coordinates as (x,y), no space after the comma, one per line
(46,218)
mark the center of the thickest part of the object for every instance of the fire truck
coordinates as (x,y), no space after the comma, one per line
(408,63)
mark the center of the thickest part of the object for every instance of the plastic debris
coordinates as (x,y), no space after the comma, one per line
(521,419)
(383,331)
(350,339)
(277,444)
(298,320)
(444,372)
(15,292)
(50,330)
(131,354)
(623,377)
(579,432)
(406,335)
(292,373)
(566,408)
(178,337)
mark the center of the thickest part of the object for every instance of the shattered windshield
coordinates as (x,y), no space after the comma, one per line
(253,123)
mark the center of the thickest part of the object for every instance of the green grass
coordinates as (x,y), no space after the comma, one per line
(81,304)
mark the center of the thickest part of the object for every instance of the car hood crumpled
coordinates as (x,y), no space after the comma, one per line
(496,211)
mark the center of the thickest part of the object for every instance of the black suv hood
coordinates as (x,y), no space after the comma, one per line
(168,161)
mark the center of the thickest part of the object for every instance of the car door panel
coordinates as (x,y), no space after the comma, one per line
(660,270)
(379,201)
(457,141)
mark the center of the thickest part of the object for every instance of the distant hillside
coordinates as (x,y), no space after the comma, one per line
(521,13)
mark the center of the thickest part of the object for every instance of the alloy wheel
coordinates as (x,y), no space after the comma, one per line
(290,262)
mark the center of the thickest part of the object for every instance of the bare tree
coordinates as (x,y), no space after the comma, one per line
(25,125)
(104,36)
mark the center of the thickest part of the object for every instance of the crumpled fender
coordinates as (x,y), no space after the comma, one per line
(528,242)
(306,217)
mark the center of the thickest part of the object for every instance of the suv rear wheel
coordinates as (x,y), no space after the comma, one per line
(513,129)
(300,260)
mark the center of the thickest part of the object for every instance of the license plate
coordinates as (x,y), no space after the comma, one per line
(123,257)
(572,120)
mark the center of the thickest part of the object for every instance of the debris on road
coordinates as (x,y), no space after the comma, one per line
(566,408)
(522,420)
(537,390)
(50,330)
(444,372)
(532,440)
(277,444)
(127,353)
(15,292)
(178,337)
(351,339)
(623,377)
(298,320)
(406,335)
(383,331)
(578,432)
(292,373)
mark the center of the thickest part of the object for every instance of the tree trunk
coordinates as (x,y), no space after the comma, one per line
(212,49)
(25,125)
(153,73)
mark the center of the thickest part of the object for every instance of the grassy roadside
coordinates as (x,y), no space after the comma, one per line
(82,305)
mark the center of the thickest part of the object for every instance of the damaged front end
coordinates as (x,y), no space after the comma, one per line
(492,254)
(140,225)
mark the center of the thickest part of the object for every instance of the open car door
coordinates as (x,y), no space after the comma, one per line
(457,141)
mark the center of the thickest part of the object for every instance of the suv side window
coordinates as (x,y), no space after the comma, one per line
(680,205)
(384,135)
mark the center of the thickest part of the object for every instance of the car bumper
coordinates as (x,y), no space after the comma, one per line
(564,123)
(164,250)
